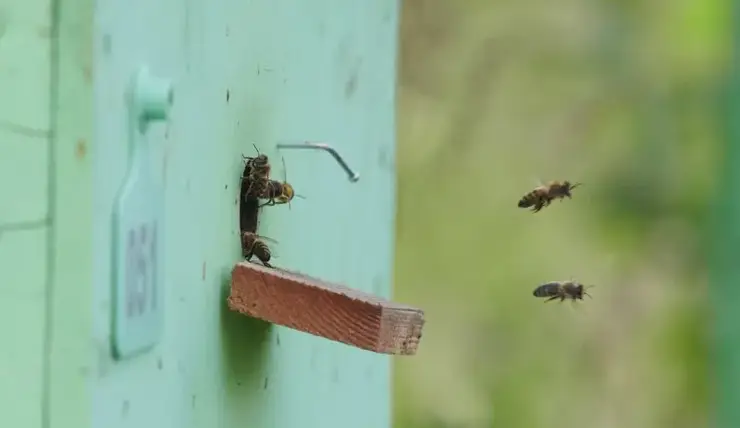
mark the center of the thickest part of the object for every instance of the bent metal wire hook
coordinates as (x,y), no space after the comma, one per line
(352,175)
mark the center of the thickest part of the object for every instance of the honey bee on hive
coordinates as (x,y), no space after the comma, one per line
(278,192)
(254,245)
(256,173)
(543,195)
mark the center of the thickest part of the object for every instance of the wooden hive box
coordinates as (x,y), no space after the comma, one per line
(241,72)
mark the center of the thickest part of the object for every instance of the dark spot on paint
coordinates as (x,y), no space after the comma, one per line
(107,44)
(81,149)
(87,73)
(335,374)
(350,86)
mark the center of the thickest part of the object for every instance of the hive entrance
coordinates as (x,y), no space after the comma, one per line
(248,207)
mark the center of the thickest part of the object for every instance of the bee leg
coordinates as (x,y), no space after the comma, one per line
(562,298)
(267,264)
(551,298)
(248,193)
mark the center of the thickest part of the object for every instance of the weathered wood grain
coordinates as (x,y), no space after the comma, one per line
(323,309)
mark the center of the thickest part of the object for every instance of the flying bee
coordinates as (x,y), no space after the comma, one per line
(279,192)
(543,195)
(254,245)
(562,290)
(257,173)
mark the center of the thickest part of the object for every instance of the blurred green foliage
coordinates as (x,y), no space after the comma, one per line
(495,96)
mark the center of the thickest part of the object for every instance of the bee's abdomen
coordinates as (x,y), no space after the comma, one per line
(547,290)
(263,250)
(272,189)
(527,200)
(247,244)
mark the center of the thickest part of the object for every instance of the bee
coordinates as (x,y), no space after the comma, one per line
(257,173)
(279,192)
(258,165)
(254,245)
(562,290)
(542,196)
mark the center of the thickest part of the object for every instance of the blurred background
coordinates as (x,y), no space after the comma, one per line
(495,96)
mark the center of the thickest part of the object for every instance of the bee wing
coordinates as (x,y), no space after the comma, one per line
(551,284)
(265,238)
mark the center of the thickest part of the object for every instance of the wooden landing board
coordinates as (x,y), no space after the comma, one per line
(328,310)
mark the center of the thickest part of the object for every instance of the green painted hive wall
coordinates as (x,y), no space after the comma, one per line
(323,70)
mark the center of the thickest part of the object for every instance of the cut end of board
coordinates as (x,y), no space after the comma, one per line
(327,310)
